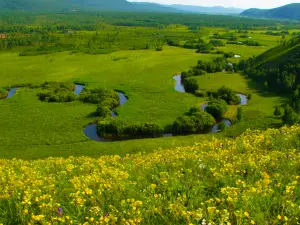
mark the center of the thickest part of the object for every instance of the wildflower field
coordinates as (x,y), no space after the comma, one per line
(253,179)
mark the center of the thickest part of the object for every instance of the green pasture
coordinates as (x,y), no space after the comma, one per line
(146,77)
(260,108)
(33,129)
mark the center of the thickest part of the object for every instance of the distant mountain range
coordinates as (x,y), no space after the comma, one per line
(68,5)
(291,11)
(208,10)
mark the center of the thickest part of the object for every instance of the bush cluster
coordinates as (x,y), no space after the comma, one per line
(227,95)
(100,96)
(190,85)
(118,128)
(217,108)
(195,122)
(57,92)
(3,93)
(217,65)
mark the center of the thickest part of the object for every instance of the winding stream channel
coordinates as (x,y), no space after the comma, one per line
(78,88)
(12,92)
(180,88)
(91,130)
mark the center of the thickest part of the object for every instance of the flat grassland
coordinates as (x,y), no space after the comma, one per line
(32,129)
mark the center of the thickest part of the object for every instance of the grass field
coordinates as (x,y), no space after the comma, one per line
(258,112)
(30,128)
(33,129)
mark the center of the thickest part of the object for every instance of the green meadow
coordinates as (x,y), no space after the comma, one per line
(31,129)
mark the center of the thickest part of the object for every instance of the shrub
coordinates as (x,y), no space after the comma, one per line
(185,75)
(217,108)
(191,85)
(249,96)
(216,42)
(227,95)
(222,126)
(58,86)
(103,111)
(194,110)
(105,97)
(240,113)
(118,128)
(201,93)
(219,52)
(57,92)
(290,117)
(229,55)
(278,111)
(3,93)
(203,51)
(251,43)
(196,122)
(198,72)
(159,48)
(51,96)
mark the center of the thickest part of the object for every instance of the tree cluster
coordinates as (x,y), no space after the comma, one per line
(226,94)
(100,96)
(217,108)
(195,122)
(118,128)
(57,92)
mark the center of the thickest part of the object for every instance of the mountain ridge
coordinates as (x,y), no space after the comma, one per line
(208,10)
(290,11)
(123,5)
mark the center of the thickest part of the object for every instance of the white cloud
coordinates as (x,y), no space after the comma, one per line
(229,3)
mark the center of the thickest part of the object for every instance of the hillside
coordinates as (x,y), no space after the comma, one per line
(69,5)
(207,10)
(279,55)
(291,11)
(250,180)
(152,7)
(278,70)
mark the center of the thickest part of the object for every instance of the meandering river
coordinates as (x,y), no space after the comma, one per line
(180,88)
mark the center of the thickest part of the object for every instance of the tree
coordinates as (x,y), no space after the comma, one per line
(227,95)
(266,85)
(240,113)
(191,85)
(217,108)
(249,96)
(103,111)
(222,126)
(278,111)
(290,117)
(183,125)
(196,122)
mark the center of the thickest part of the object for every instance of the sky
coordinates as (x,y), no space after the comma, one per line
(244,4)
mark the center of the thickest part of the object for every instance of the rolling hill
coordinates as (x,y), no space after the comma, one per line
(291,11)
(279,55)
(69,5)
(123,5)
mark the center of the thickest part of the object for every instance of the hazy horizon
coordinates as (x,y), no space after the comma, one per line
(267,4)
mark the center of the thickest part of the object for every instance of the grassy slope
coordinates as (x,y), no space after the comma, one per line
(249,180)
(279,54)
